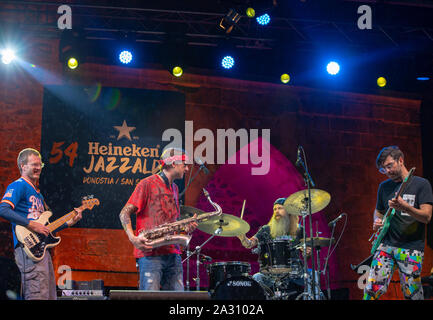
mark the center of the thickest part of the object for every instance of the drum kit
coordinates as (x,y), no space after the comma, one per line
(279,259)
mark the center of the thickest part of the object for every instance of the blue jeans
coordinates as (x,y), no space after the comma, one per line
(161,273)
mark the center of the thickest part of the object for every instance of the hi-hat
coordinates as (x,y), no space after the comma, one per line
(188,212)
(297,203)
(230,225)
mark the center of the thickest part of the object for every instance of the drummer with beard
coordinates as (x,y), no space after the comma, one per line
(281,226)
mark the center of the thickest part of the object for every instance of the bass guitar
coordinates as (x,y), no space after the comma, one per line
(378,236)
(35,244)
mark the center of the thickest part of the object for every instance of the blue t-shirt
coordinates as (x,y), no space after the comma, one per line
(25,200)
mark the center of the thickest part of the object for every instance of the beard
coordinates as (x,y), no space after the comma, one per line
(279,227)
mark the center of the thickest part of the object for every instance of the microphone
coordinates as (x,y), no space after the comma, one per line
(298,156)
(332,223)
(201,164)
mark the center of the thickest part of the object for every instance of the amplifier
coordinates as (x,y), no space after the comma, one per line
(93,288)
(87,293)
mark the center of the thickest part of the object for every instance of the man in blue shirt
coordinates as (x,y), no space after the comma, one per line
(22,204)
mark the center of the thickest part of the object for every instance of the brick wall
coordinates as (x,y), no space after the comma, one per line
(340,132)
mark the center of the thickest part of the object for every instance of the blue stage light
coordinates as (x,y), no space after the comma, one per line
(227,62)
(333,68)
(125,57)
(264,19)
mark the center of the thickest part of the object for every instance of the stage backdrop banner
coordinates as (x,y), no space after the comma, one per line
(102,141)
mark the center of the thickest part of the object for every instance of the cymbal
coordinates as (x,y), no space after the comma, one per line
(188,212)
(297,202)
(231,226)
(319,241)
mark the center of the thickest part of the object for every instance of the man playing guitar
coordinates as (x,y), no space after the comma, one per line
(22,204)
(403,244)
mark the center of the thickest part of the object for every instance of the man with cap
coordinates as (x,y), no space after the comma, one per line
(281,226)
(155,201)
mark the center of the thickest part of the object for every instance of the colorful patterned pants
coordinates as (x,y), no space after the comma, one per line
(385,259)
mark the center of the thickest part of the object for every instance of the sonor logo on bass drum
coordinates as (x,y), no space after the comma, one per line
(234,283)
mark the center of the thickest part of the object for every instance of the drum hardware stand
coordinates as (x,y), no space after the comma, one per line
(187,268)
(306,294)
(197,252)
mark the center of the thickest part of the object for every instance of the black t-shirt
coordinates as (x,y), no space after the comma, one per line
(265,238)
(404,230)
(264,235)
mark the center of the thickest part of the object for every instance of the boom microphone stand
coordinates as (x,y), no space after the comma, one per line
(307,202)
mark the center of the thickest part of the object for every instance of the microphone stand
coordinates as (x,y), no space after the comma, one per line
(326,269)
(309,182)
(190,180)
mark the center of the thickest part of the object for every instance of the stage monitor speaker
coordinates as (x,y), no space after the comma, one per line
(158,295)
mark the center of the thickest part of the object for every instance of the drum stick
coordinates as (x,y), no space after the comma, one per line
(243,207)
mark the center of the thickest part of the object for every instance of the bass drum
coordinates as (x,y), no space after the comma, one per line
(219,271)
(239,288)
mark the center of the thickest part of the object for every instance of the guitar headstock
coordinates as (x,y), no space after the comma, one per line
(88,202)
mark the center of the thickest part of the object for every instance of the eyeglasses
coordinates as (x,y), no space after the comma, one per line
(36,165)
(389,166)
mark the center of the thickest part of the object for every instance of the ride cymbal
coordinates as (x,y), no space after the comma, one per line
(297,203)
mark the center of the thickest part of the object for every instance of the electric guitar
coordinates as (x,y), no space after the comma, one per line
(35,244)
(381,232)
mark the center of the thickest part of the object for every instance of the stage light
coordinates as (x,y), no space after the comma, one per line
(228,22)
(264,19)
(177,71)
(285,78)
(7,56)
(227,62)
(381,82)
(250,12)
(72,63)
(423,78)
(125,57)
(333,68)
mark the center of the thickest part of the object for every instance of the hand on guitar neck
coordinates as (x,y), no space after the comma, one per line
(42,229)
(378,220)
(398,204)
(77,217)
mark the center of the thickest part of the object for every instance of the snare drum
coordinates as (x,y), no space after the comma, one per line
(239,288)
(279,256)
(220,271)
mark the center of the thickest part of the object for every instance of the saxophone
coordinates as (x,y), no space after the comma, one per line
(167,233)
